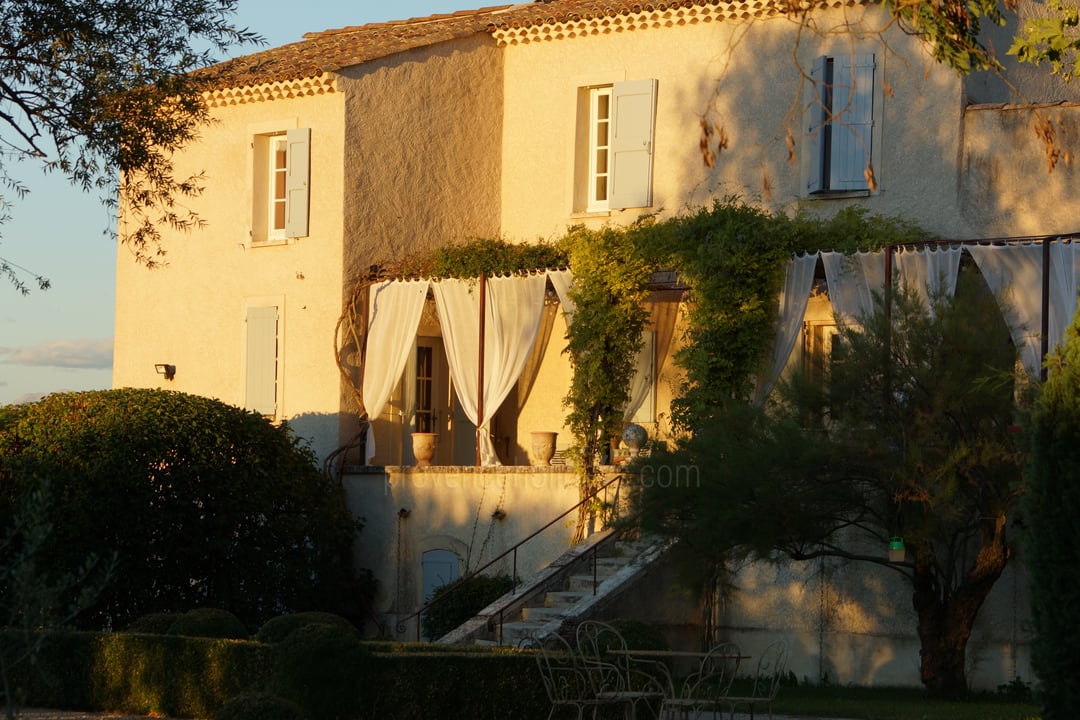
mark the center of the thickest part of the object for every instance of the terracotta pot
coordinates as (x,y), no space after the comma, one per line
(543,447)
(423,447)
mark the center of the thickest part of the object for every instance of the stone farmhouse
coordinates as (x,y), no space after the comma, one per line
(359,146)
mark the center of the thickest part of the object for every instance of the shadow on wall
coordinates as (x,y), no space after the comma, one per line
(320,431)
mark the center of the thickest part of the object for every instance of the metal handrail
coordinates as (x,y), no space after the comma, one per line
(400,627)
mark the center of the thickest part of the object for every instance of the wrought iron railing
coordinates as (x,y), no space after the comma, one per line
(512,552)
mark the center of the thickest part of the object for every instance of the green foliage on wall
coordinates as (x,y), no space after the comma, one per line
(611,270)
(486,256)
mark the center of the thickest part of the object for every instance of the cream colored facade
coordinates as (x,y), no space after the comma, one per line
(483,132)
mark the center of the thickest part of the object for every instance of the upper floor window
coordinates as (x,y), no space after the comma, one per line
(618,126)
(281,178)
(841,129)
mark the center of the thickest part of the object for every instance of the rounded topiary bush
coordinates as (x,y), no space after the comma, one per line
(260,706)
(209,622)
(321,669)
(277,629)
(157,623)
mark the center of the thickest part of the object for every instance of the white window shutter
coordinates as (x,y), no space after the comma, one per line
(853,106)
(633,119)
(815,132)
(297,180)
(262,344)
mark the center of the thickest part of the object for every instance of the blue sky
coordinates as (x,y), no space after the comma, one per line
(61,339)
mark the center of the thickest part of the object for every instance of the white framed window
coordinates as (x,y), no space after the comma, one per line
(262,359)
(619,127)
(281,185)
(841,128)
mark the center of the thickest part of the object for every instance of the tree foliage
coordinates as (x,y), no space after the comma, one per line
(104,93)
(1051,514)
(909,435)
(201,504)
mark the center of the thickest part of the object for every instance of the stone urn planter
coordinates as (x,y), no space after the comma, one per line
(424,446)
(543,447)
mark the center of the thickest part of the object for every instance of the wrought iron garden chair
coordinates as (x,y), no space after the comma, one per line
(770,671)
(614,674)
(566,680)
(707,688)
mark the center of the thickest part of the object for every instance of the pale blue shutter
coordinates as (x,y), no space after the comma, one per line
(297,181)
(815,132)
(852,131)
(633,112)
(262,360)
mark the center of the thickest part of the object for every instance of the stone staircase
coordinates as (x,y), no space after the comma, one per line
(578,584)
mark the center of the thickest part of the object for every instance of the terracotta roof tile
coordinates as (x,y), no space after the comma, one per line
(332,50)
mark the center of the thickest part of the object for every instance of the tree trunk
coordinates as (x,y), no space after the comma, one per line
(946,616)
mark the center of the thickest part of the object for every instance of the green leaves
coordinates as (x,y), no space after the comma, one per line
(1053,39)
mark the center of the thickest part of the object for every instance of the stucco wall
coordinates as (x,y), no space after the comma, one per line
(743,79)
(190,312)
(852,623)
(451,509)
(421,153)
(1009,188)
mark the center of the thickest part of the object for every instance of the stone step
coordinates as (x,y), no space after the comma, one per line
(514,632)
(564,598)
(541,614)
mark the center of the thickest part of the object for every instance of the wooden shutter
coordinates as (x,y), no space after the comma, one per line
(297,181)
(262,360)
(852,131)
(816,130)
(633,118)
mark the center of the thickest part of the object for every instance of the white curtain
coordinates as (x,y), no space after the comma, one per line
(853,279)
(1064,277)
(1014,274)
(929,272)
(561,280)
(794,297)
(511,320)
(393,317)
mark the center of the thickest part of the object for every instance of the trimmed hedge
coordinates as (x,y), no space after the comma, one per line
(211,623)
(277,629)
(186,677)
(136,673)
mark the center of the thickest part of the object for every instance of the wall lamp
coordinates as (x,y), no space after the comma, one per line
(169,371)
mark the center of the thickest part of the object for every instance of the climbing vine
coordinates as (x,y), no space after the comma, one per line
(730,255)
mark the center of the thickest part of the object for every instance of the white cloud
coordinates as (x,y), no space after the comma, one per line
(62,353)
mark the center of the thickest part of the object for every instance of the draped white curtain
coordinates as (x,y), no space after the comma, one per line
(852,281)
(393,317)
(930,272)
(794,297)
(1015,275)
(1064,278)
(561,280)
(511,320)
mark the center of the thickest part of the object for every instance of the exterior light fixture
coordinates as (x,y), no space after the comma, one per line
(896,549)
(169,371)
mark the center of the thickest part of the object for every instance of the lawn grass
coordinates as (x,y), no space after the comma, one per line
(897,704)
